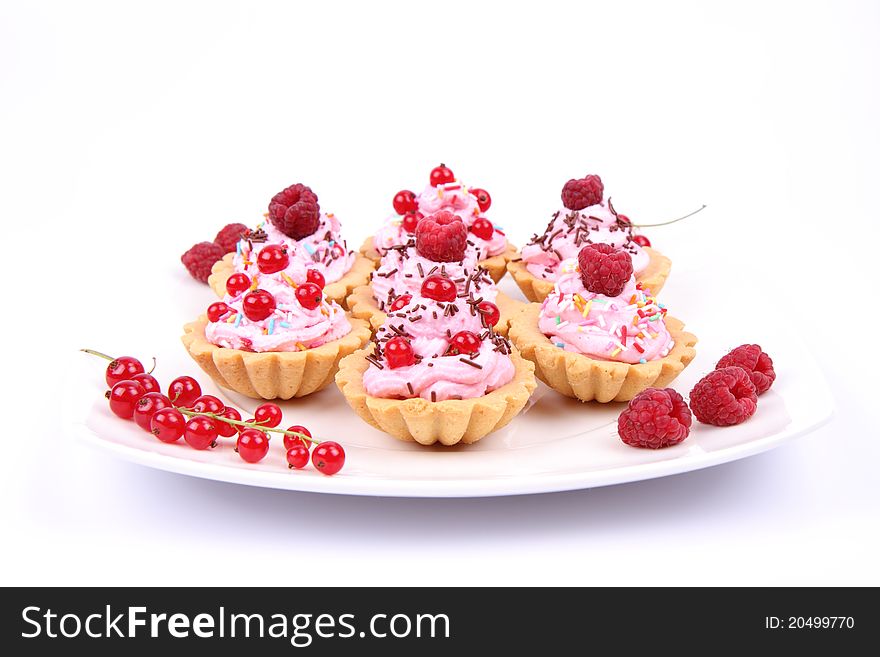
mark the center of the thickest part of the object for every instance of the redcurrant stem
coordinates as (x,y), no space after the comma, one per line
(250,425)
(153,368)
(672,221)
(98,354)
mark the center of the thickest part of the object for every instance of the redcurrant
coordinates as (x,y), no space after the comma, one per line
(623,219)
(148,405)
(401,302)
(200,432)
(463,342)
(411,221)
(442,175)
(237,283)
(439,288)
(309,296)
(483,228)
(148,381)
(297,456)
(122,369)
(124,397)
(272,259)
(252,445)
(184,391)
(208,404)
(258,305)
(641,240)
(167,424)
(316,277)
(268,415)
(483,198)
(224,428)
(405,201)
(489,312)
(216,311)
(328,457)
(290,441)
(399,352)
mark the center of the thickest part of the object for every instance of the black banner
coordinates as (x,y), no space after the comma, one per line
(432,621)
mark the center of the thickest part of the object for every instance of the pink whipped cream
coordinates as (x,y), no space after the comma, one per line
(402,271)
(325,250)
(569,231)
(429,325)
(290,327)
(453,197)
(628,328)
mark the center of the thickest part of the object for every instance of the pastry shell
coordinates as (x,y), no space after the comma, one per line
(588,379)
(447,422)
(537,289)
(495,266)
(337,291)
(275,374)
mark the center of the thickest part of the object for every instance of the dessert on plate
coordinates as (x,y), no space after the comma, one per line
(275,334)
(585,218)
(437,371)
(601,335)
(313,240)
(440,244)
(444,192)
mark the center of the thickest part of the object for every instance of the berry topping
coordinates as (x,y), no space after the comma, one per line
(148,382)
(268,414)
(298,456)
(146,406)
(641,240)
(655,418)
(309,296)
(442,175)
(582,193)
(411,221)
(405,201)
(237,283)
(401,302)
(604,269)
(184,391)
(229,236)
(489,312)
(259,304)
(463,343)
(200,258)
(252,445)
(399,353)
(200,432)
(216,311)
(272,259)
(295,211)
(724,397)
(224,428)
(208,404)
(124,397)
(483,198)
(122,369)
(328,457)
(291,441)
(316,277)
(439,288)
(483,228)
(442,237)
(167,424)
(754,361)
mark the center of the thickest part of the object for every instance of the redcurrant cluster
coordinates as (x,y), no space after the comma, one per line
(201,419)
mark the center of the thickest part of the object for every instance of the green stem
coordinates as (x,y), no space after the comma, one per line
(98,353)
(671,221)
(251,425)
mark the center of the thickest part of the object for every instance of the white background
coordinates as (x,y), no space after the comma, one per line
(127,134)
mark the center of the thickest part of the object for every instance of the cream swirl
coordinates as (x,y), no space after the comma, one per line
(569,231)
(628,328)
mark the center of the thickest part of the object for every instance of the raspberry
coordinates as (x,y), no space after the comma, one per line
(442,237)
(200,258)
(754,361)
(295,211)
(655,418)
(580,194)
(724,397)
(229,235)
(604,269)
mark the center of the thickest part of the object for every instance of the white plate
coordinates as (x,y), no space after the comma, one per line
(556,444)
